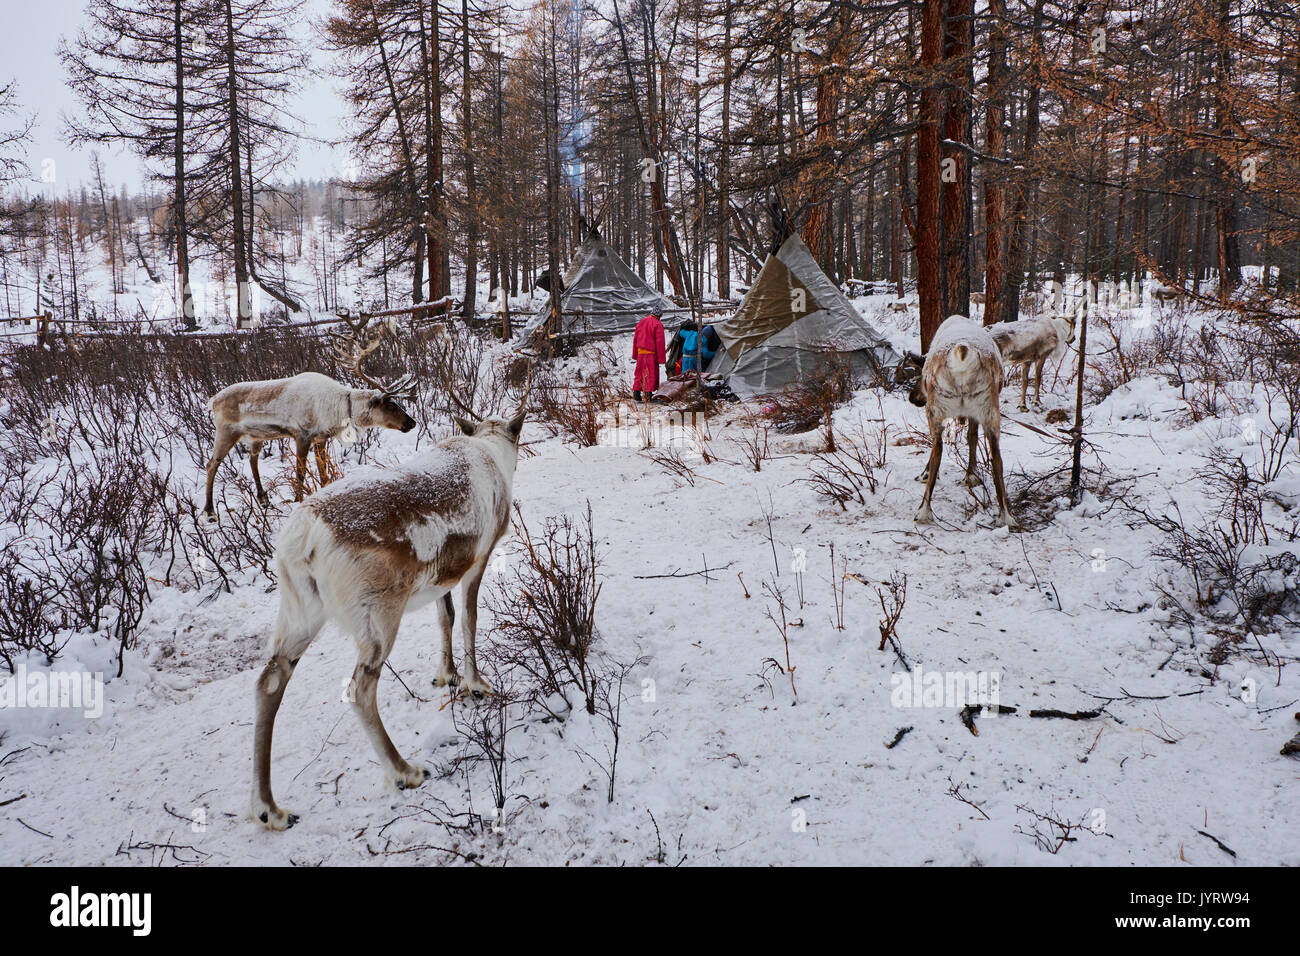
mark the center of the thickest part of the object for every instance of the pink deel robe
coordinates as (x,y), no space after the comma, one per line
(648,350)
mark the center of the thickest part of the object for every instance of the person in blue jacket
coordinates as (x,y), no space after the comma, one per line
(686,343)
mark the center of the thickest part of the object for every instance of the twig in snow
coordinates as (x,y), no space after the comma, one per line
(1219,843)
(33,829)
(898,737)
(954,791)
(679,573)
(1067,715)
(971,711)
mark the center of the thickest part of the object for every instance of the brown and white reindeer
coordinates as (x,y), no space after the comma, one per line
(372,546)
(1032,342)
(961,377)
(308,408)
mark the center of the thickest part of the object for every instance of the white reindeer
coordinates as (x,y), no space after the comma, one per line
(961,377)
(1032,342)
(368,548)
(309,408)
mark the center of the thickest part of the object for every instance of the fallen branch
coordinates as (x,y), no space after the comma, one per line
(33,829)
(954,791)
(687,574)
(970,710)
(898,738)
(1219,843)
(1067,715)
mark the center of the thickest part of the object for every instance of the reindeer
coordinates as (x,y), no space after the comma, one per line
(961,377)
(368,548)
(1032,342)
(309,408)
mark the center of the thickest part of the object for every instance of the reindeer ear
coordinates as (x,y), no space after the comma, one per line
(516,424)
(466,426)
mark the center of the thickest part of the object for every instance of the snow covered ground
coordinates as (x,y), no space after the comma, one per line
(720,762)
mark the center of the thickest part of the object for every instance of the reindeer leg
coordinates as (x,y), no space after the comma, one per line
(300,619)
(473,682)
(1024,388)
(447,667)
(302,441)
(254,453)
(1038,384)
(320,462)
(372,651)
(225,441)
(270,690)
(924,515)
(995,456)
(971,480)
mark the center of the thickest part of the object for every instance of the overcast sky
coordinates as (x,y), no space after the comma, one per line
(29,36)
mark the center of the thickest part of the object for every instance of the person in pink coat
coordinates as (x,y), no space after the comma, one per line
(648,350)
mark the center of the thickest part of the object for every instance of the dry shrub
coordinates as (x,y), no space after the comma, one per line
(79,566)
(754,442)
(574,411)
(670,459)
(810,402)
(544,608)
(848,471)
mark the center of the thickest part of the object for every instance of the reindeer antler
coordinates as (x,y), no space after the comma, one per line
(455,399)
(445,374)
(353,346)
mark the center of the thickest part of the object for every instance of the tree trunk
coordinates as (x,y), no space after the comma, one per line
(928,223)
(1009,310)
(724,164)
(471,189)
(958,48)
(994,116)
(244,309)
(178,158)
(1225,210)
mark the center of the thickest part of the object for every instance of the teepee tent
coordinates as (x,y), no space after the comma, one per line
(791,321)
(603,288)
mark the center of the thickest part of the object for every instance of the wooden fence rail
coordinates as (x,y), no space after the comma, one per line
(73,328)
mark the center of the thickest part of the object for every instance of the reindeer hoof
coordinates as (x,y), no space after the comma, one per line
(263,499)
(1022,408)
(1008,521)
(972,480)
(924,516)
(210,517)
(446,679)
(411,778)
(924,476)
(478,687)
(272,817)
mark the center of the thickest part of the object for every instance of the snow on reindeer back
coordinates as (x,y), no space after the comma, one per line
(957,329)
(413,502)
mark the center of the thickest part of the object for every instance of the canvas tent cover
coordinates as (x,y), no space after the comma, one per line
(791,321)
(611,297)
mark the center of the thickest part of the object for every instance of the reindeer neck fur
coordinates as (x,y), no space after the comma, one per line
(500,448)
